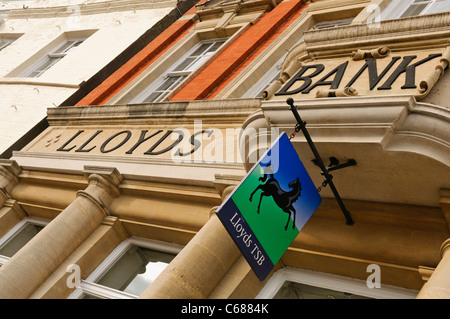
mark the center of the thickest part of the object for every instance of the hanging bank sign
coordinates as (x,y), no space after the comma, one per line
(372,72)
(270,206)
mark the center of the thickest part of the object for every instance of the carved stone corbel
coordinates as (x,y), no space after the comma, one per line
(291,65)
(377,53)
(426,85)
(348,91)
(229,12)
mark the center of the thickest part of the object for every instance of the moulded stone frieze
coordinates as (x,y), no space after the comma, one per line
(160,134)
(401,115)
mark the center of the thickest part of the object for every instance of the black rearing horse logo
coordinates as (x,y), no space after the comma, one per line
(284,199)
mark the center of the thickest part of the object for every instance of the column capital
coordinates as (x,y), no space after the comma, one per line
(103,185)
(225,184)
(445,247)
(255,139)
(111,174)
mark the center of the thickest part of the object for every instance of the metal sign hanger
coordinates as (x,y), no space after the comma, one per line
(301,126)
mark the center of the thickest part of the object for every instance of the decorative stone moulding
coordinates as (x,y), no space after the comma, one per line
(348,91)
(377,53)
(214,9)
(427,84)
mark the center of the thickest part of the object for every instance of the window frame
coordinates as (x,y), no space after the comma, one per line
(180,75)
(332,23)
(154,72)
(45,62)
(10,38)
(396,9)
(16,229)
(334,282)
(90,287)
(7,40)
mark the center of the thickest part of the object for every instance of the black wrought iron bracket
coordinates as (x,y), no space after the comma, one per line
(334,165)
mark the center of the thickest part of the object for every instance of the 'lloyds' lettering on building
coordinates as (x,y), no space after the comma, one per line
(80,143)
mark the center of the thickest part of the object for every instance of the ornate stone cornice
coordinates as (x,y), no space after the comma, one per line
(427,31)
(87,8)
(214,9)
(234,110)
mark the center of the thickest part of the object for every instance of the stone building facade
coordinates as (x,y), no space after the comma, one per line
(123,185)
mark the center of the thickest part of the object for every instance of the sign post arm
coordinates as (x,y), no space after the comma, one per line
(329,178)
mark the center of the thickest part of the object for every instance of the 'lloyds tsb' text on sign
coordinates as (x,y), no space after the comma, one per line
(265,213)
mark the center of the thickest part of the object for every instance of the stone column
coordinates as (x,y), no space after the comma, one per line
(37,260)
(438,286)
(200,266)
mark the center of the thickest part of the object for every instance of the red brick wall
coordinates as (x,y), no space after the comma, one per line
(254,55)
(213,78)
(228,64)
(137,64)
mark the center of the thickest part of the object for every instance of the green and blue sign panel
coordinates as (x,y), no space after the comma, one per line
(270,206)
